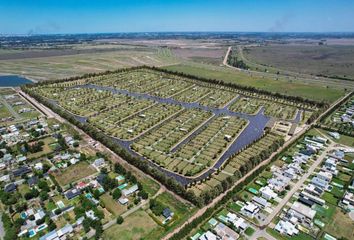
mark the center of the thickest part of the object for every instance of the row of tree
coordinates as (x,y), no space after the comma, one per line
(193,77)
(188,228)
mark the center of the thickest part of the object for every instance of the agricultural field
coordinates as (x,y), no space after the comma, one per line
(330,60)
(180,124)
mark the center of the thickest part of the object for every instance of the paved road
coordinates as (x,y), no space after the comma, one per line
(2,230)
(296,187)
(217,199)
(262,233)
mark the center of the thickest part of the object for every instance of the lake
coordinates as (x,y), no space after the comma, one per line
(13,81)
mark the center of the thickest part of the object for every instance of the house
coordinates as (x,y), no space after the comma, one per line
(65,230)
(238,222)
(228,138)
(100,178)
(21,171)
(120,179)
(348,199)
(261,202)
(312,189)
(5,178)
(208,236)
(38,166)
(225,233)
(319,182)
(285,227)
(290,173)
(72,193)
(90,214)
(330,165)
(335,135)
(131,190)
(278,182)
(39,215)
(326,176)
(81,185)
(32,181)
(320,139)
(56,235)
(11,187)
(21,158)
(98,163)
(250,209)
(302,212)
(167,213)
(123,200)
(267,193)
(312,198)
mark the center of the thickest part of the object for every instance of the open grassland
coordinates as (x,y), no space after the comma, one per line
(74,173)
(57,67)
(137,226)
(331,61)
(304,90)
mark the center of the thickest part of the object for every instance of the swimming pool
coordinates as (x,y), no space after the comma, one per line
(31,233)
(23,215)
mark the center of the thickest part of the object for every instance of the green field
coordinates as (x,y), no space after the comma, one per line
(283,87)
(137,226)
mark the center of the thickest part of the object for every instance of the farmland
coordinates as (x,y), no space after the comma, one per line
(331,60)
(186,127)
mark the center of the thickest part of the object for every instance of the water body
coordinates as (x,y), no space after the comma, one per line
(13,81)
(253,131)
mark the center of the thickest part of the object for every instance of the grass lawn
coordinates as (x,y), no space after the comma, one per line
(249,231)
(234,206)
(182,212)
(329,198)
(324,214)
(74,173)
(112,206)
(23,188)
(340,225)
(149,185)
(345,140)
(284,87)
(136,226)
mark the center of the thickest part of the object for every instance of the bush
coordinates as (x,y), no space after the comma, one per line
(120,220)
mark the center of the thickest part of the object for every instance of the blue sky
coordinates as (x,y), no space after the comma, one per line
(89,16)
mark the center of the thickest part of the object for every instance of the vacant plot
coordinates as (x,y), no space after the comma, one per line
(137,226)
(74,173)
(340,225)
(112,206)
